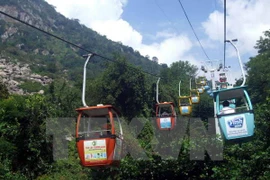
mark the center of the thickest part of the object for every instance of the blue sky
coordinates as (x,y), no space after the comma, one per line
(159,27)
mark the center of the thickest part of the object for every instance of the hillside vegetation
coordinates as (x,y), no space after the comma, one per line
(47,55)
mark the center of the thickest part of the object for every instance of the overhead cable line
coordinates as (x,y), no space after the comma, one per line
(165,15)
(61,39)
(193,29)
(218,30)
(224,33)
(168,19)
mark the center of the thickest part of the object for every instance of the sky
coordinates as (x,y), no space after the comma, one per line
(159,27)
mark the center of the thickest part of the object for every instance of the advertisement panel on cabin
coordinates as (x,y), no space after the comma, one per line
(236,125)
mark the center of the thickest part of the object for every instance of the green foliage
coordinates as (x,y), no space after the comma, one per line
(22,125)
(169,84)
(205,108)
(3,91)
(63,99)
(50,56)
(31,86)
(124,86)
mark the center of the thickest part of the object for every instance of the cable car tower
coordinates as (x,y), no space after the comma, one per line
(99,135)
(212,67)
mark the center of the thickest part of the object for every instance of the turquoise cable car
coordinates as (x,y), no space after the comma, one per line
(240,123)
(235,123)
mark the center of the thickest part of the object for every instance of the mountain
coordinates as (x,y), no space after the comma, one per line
(31,56)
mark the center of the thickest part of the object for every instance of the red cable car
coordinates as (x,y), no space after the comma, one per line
(165,114)
(99,135)
(99,142)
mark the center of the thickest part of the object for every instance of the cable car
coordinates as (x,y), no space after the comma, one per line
(222,77)
(194,94)
(202,80)
(99,135)
(206,87)
(200,89)
(200,84)
(165,113)
(185,104)
(240,123)
(224,85)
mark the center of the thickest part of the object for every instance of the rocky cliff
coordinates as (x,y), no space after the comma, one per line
(14,74)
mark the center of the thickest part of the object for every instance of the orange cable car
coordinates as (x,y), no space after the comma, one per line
(165,114)
(99,135)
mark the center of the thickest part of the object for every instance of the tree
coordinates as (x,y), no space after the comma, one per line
(124,86)
(155,59)
(3,91)
(258,77)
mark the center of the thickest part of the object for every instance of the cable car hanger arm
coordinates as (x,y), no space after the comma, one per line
(180,88)
(239,59)
(157,90)
(84,77)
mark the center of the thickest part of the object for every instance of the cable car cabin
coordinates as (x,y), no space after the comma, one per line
(185,105)
(224,85)
(195,96)
(165,116)
(200,86)
(203,82)
(222,77)
(200,90)
(237,121)
(99,136)
(206,87)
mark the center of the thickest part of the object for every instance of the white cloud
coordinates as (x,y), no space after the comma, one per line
(104,16)
(246,21)
(119,30)
(165,34)
(168,51)
(89,11)
(213,26)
